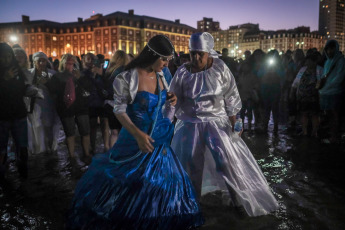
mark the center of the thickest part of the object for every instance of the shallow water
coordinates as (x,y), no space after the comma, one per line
(305,176)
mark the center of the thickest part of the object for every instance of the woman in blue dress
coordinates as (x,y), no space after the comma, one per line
(139,183)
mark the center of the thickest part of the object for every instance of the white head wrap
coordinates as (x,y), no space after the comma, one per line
(39,55)
(204,42)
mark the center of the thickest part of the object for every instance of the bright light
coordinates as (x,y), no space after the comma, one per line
(13,38)
(280,53)
(68,45)
(302,43)
(240,51)
(109,52)
(232,51)
(236,47)
(297,43)
(271,61)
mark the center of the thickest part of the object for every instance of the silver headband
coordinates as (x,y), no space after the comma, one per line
(202,42)
(161,55)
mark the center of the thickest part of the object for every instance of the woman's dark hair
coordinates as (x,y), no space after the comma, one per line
(158,46)
(5,48)
(312,56)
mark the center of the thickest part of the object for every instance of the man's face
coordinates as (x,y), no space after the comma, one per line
(41,64)
(198,59)
(88,61)
(330,51)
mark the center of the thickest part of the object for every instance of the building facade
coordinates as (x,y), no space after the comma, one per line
(207,25)
(332,20)
(98,34)
(244,37)
(233,38)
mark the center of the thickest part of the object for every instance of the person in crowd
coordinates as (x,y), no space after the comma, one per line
(298,58)
(43,121)
(288,104)
(256,61)
(139,183)
(247,87)
(230,62)
(272,78)
(93,73)
(307,96)
(56,64)
(207,104)
(13,113)
(77,112)
(22,60)
(116,65)
(331,87)
(247,54)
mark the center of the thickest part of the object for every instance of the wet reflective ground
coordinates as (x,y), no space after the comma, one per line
(307,179)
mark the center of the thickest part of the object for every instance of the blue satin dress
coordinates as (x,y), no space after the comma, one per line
(150,191)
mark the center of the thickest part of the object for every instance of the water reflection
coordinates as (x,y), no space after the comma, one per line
(306,177)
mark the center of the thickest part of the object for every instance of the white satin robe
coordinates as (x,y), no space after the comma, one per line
(204,143)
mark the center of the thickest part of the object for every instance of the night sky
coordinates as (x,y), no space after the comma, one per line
(270,14)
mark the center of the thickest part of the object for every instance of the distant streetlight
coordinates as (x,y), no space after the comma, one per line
(13,38)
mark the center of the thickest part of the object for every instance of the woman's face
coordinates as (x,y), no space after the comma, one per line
(41,64)
(69,65)
(198,59)
(5,59)
(21,59)
(161,63)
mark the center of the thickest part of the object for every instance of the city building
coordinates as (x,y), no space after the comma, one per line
(248,36)
(233,38)
(332,20)
(99,34)
(207,25)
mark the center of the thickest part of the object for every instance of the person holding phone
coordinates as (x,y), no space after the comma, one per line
(13,113)
(93,72)
(139,183)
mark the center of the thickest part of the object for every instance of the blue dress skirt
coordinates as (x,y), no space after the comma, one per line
(126,190)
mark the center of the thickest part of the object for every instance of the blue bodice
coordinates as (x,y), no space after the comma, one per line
(142,112)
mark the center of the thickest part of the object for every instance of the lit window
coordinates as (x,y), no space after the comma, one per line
(54,38)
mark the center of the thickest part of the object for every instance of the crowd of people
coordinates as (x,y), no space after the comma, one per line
(145,103)
(304,92)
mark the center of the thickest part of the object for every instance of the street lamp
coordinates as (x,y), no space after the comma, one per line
(13,38)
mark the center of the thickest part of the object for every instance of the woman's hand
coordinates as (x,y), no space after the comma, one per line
(144,142)
(11,73)
(172,98)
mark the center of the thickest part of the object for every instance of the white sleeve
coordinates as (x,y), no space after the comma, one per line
(122,95)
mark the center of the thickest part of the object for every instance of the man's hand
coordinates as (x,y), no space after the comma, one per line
(232,121)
